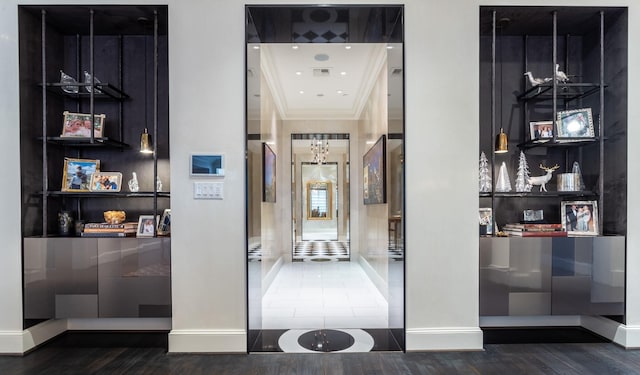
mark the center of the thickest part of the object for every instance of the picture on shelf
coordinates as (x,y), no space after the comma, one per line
(79,125)
(268,174)
(77,174)
(485,216)
(164,224)
(580,217)
(146,226)
(575,123)
(374,173)
(106,181)
(539,130)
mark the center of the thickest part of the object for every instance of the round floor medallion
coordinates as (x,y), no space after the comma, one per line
(326,340)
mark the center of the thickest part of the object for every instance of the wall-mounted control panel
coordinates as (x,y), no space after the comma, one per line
(208,190)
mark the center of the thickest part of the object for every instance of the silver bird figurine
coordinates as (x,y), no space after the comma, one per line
(536,81)
(560,75)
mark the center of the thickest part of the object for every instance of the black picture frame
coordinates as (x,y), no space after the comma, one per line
(374,181)
(268,174)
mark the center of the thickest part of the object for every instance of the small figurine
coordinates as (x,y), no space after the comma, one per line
(87,80)
(133,183)
(67,81)
(560,75)
(536,81)
(158,184)
(542,180)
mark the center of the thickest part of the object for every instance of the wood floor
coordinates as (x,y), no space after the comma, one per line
(566,358)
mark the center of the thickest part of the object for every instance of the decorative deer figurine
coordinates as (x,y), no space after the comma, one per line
(542,180)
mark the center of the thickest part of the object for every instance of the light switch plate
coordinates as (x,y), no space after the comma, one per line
(208,190)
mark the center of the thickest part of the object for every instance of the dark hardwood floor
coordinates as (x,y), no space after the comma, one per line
(71,355)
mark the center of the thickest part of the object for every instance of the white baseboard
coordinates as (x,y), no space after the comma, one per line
(207,341)
(626,336)
(20,342)
(375,278)
(435,339)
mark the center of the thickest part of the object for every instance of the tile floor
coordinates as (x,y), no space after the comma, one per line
(313,295)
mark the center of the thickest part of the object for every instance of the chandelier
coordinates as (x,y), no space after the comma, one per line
(319,150)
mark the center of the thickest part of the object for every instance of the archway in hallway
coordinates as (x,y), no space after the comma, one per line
(318,70)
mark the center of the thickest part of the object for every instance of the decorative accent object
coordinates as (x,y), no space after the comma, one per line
(530,216)
(503,184)
(146,226)
(560,75)
(502,143)
(79,226)
(77,174)
(134,187)
(88,81)
(164,224)
(568,182)
(68,83)
(575,123)
(208,165)
(146,145)
(158,184)
(374,173)
(542,180)
(522,178)
(114,217)
(319,150)
(537,81)
(541,131)
(485,215)
(65,223)
(485,174)
(580,218)
(106,182)
(268,174)
(576,169)
(79,125)
(319,200)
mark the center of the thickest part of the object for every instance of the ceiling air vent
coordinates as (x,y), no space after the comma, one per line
(396,71)
(321,72)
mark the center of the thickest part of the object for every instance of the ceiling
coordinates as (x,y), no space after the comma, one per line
(318,80)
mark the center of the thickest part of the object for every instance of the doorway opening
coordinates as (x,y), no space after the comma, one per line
(325,178)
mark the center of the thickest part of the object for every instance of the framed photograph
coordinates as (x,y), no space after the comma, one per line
(106,182)
(77,174)
(374,164)
(268,174)
(208,165)
(79,125)
(580,217)
(146,226)
(164,224)
(485,217)
(575,123)
(541,130)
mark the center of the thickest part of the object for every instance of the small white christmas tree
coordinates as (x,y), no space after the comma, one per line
(522,178)
(576,170)
(503,184)
(485,174)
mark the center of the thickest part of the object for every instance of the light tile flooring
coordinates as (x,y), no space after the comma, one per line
(313,295)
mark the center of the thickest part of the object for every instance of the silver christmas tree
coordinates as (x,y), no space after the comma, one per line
(576,170)
(522,178)
(503,184)
(485,174)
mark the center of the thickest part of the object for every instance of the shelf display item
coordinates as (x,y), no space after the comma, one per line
(65,223)
(536,81)
(503,184)
(68,83)
(115,216)
(146,226)
(79,125)
(542,180)
(485,216)
(158,184)
(580,218)
(522,178)
(77,174)
(560,75)
(484,179)
(106,182)
(533,216)
(541,131)
(568,182)
(133,183)
(575,123)
(88,81)
(164,224)
(576,170)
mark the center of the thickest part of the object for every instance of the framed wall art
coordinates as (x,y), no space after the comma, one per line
(79,125)
(575,123)
(268,174)
(580,218)
(106,182)
(374,164)
(77,173)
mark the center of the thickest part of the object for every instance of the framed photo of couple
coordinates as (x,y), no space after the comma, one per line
(580,218)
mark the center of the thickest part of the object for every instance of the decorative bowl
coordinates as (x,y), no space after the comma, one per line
(114,217)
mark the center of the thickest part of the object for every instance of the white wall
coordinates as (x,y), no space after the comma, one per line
(206,62)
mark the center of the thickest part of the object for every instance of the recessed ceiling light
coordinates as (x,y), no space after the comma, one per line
(301,91)
(298,73)
(347,47)
(256,47)
(389,47)
(343,73)
(295,46)
(339,91)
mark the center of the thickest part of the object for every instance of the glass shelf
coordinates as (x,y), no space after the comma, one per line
(558,142)
(114,194)
(86,142)
(565,91)
(536,194)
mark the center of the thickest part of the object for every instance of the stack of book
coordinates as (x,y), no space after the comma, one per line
(534,230)
(110,230)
